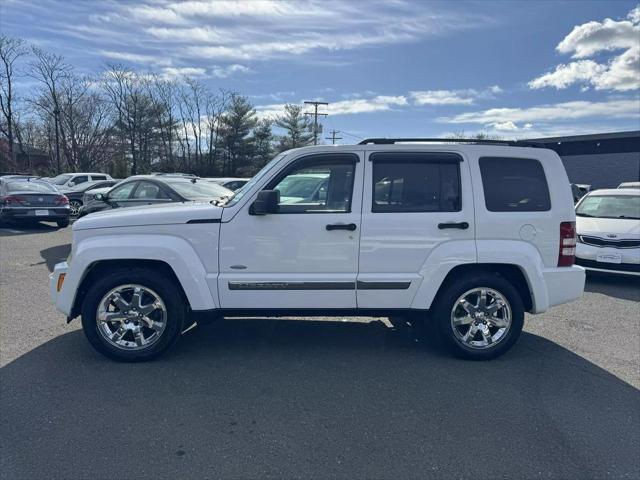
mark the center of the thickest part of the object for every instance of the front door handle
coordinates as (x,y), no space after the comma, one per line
(342,226)
(460,225)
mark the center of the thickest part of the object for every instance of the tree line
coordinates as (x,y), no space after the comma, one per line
(127,122)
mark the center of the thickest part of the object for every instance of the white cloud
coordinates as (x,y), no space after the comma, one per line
(453,97)
(224,72)
(171,73)
(565,75)
(505,126)
(621,72)
(550,113)
(441,97)
(362,105)
(135,57)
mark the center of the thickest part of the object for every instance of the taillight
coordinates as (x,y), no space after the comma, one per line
(11,199)
(62,200)
(567,254)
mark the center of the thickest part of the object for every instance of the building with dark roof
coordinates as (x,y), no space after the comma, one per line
(600,160)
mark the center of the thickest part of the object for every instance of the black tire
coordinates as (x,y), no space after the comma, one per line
(147,277)
(444,303)
(64,223)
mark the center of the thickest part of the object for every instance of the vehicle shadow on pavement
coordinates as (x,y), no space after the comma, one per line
(56,254)
(625,288)
(256,398)
(13,229)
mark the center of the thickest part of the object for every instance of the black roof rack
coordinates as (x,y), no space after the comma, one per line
(393,141)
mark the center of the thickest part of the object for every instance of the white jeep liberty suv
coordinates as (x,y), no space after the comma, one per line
(470,235)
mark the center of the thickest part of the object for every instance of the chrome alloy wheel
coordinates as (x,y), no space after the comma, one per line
(131,317)
(75,207)
(481,318)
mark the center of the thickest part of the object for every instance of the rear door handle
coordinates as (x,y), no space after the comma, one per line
(460,225)
(342,226)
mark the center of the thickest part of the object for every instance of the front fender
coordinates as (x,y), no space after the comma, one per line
(174,251)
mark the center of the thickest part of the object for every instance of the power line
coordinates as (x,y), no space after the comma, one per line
(333,137)
(315,118)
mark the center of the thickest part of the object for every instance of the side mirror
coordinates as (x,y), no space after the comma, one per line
(266,202)
(101,197)
(71,184)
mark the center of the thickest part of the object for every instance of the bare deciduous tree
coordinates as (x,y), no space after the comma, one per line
(11,49)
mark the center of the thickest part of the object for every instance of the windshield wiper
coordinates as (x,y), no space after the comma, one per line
(584,215)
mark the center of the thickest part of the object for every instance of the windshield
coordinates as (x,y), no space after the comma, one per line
(198,190)
(60,179)
(610,206)
(30,186)
(258,176)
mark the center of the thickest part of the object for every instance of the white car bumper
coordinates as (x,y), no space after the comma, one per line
(62,299)
(624,261)
(564,284)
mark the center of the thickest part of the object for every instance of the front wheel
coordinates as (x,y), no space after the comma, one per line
(133,315)
(479,317)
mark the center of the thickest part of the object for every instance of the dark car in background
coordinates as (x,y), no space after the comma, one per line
(32,200)
(76,194)
(152,189)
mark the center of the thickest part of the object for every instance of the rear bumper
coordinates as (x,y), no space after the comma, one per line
(29,214)
(564,284)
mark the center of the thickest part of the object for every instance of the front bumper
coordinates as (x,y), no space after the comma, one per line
(587,256)
(61,298)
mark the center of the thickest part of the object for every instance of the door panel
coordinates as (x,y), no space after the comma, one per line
(413,203)
(291,259)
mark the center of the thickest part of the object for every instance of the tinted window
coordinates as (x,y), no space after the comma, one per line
(122,192)
(99,177)
(514,185)
(149,191)
(80,179)
(416,182)
(316,185)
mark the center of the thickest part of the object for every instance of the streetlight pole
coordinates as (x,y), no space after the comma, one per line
(56,112)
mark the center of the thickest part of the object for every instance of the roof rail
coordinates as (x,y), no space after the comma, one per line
(393,141)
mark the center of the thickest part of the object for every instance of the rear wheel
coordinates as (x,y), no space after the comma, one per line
(479,317)
(64,223)
(75,206)
(133,315)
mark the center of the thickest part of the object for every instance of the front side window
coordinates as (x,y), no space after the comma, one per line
(416,182)
(320,184)
(514,185)
(122,192)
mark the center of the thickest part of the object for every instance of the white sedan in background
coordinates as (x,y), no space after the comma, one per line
(608,230)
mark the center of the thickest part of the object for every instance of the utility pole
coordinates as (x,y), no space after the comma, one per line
(333,137)
(315,118)
(56,112)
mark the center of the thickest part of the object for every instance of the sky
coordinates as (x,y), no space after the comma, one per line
(395,68)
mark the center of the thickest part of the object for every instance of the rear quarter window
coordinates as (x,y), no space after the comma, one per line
(514,185)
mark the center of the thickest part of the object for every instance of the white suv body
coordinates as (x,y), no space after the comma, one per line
(399,228)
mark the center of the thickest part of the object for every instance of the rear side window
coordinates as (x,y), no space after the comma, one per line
(514,185)
(416,182)
(99,177)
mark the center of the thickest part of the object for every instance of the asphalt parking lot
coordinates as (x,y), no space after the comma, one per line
(265,398)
